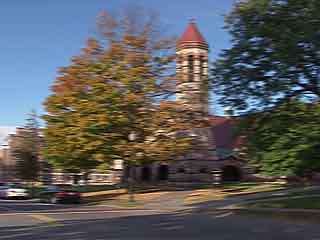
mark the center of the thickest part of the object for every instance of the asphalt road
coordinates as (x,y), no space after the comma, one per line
(10,206)
(31,220)
(137,224)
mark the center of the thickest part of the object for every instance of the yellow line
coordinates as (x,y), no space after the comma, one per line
(43,218)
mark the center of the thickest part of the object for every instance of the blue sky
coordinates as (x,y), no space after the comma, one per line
(38,36)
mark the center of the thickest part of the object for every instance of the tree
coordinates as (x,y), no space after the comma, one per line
(285,142)
(274,55)
(271,77)
(26,150)
(111,91)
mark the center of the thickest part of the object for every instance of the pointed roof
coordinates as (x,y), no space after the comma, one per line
(192,35)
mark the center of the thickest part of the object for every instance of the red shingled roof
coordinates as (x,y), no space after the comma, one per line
(223,129)
(192,34)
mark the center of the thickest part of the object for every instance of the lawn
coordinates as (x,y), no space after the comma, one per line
(229,190)
(293,203)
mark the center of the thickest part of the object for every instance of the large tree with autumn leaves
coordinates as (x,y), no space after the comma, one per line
(112,90)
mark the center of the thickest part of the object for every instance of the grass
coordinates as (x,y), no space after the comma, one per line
(282,216)
(305,192)
(228,190)
(239,185)
(292,203)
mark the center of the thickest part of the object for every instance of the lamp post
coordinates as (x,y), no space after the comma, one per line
(132,137)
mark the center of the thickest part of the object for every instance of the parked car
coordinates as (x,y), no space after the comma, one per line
(13,190)
(60,194)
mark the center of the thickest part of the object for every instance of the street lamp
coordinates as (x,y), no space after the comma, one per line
(132,137)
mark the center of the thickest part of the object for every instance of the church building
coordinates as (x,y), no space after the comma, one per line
(222,145)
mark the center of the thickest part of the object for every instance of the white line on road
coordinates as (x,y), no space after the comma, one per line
(223,215)
(69,233)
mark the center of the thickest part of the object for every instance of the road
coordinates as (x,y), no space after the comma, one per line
(31,220)
(9,206)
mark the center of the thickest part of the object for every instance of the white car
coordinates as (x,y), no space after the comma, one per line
(13,190)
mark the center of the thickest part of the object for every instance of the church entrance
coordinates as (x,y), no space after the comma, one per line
(231,174)
(163,172)
(146,174)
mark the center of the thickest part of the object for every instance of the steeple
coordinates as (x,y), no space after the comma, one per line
(192,69)
(192,37)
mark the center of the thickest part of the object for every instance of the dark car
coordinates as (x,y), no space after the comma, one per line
(60,194)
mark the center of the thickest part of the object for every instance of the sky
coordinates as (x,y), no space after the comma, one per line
(39,36)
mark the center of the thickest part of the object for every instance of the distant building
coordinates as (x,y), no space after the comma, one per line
(49,174)
(4,162)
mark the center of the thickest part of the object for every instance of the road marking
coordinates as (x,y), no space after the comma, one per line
(69,233)
(223,215)
(43,218)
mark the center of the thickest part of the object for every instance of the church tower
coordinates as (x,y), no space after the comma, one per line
(192,70)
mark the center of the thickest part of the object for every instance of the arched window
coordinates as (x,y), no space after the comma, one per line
(190,68)
(202,61)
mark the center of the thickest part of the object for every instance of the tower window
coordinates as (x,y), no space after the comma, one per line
(190,68)
(202,61)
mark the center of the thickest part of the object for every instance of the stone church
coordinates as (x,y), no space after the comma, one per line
(223,147)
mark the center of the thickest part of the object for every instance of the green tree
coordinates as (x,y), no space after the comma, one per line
(285,141)
(274,55)
(26,150)
(271,76)
(111,91)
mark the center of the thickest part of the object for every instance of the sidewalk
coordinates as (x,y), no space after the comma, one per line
(242,206)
